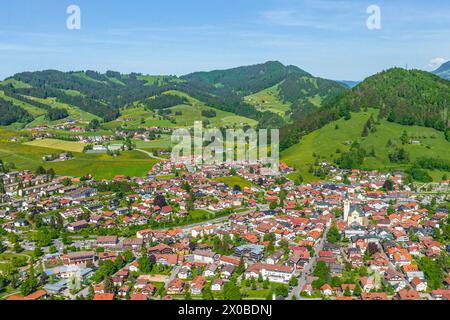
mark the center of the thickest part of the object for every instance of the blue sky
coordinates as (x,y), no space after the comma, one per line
(327,38)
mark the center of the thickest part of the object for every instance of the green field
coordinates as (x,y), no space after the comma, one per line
(101,166)
(192,112)
(164,142)
(327,140)
(199,214)
(138,116)
(72,146)
(268,100)
(75,113)
(234,180)
(158,80)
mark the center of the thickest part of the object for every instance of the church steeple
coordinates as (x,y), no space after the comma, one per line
(346,208)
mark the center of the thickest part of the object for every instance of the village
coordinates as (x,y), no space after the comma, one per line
(228,231)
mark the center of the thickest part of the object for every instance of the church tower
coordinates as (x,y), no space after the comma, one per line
(346,209)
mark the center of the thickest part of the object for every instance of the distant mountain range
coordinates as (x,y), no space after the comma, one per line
(350,83)
(443,71)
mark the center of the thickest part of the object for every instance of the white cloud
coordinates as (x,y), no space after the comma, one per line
(436,62)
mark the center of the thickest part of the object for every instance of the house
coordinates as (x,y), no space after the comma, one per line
(197,285)
(37,295)
(123,291)
(170,259)
(308,289)
(410,294)
(80,257)
(138,297)
(204,256)
(367,283)
(160,248)
(273,273)
(441,294)
(210,270)
(395,279)
(275,257)
(176,286)
(374,296)
(107,241)
(226,260)
(133,243)
(166,210)
(81,193)
(351,287)
(227,271)
(217,285)
(326,290)
(103,296)
(419,284)
(379,263)
(77,225)
(149,289)
(251,251)
(185,272)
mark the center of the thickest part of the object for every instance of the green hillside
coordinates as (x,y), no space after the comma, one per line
(334,139)
(101,166)
(272,87)
(193,112)
(179,115)
(269,100)
(243,80)
(407,97)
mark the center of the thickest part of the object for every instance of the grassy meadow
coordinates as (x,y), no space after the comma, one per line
(338,135)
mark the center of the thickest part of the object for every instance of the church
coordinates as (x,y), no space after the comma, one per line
(353,215)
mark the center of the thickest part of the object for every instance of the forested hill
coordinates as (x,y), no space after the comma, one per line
(105,94)
(247,79)
(407,97)
(295,87)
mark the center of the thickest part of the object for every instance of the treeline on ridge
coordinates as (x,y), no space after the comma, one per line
(10,113)
(407,97)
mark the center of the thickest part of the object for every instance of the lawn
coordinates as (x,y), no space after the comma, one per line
(103,166)
(164,142)
(260,294)
(199,214)
(234,180)
(72,146)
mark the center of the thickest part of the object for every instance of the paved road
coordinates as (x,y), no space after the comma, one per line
(308,267)
(151,155)
(172,276)
(391,265)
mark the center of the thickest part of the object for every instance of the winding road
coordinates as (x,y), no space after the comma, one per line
(150,154)
(308,268)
